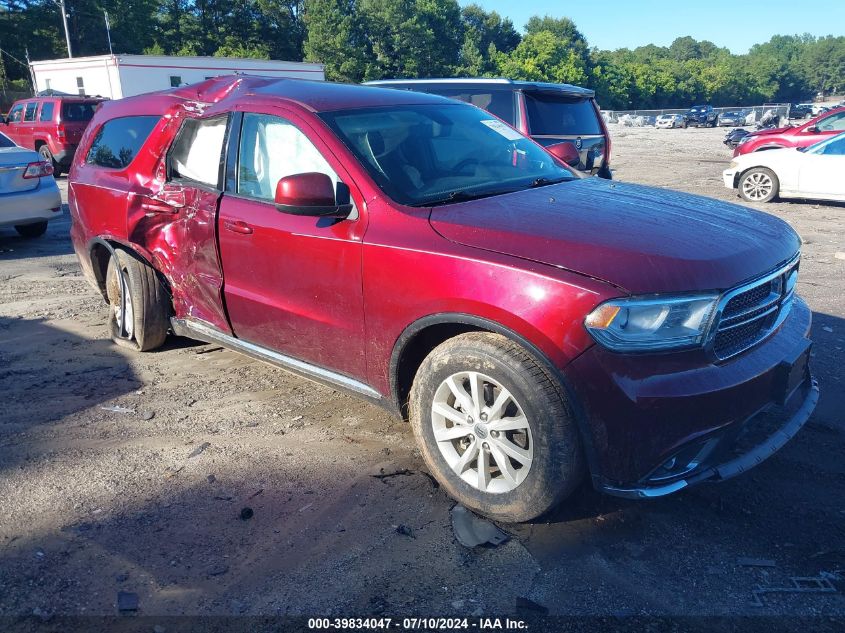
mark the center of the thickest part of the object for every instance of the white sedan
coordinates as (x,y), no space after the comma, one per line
(29,196)
(815,172)
(670,121)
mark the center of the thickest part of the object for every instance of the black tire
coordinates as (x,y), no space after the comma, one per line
(47,155)
(31,230)
(750,174)
(557,466)
(149,302)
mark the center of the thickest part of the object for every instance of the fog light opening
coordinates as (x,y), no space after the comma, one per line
(682,462)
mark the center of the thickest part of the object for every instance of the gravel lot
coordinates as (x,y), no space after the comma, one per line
(147,498)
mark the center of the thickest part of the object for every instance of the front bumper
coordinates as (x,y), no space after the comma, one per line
(738,464)
(36,205)
(64,155)
(729,177)
(643,412)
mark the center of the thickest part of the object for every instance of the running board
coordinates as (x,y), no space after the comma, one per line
(209,334)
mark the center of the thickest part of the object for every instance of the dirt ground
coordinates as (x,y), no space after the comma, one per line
(122,472)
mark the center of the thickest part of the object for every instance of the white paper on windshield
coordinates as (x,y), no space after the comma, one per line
(506,131)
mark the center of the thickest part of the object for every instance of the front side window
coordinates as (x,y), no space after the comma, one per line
(272,148)
(29,114)
(16,114)
(117,142)
(433,154)
(46,111)
(561,116)
(197,153)
(833,123)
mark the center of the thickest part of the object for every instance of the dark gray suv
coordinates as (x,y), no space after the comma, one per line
(551,114)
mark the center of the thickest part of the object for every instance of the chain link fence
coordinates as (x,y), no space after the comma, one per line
(753,114)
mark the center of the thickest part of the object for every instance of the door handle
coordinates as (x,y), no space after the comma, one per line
(152,206)
(237,226)
(168,201)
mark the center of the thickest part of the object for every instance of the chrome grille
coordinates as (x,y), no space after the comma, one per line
(748,314)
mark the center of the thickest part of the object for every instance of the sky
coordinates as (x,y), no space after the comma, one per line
(735,24)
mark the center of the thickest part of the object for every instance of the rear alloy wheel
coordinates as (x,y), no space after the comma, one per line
(138,305)
(36,229)
(47,156)
(494,428)
(759,185)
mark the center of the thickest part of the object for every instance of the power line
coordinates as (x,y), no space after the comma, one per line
(25,65)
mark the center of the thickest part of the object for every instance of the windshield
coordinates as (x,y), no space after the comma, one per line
(433,154)
(830,147)
(5,141)
(79,111)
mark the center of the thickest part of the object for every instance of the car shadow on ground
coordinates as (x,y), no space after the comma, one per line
(55,241)
(48,374)
(175,530)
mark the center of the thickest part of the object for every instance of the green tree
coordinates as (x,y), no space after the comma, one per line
(542,56)
(411,38)
(335,37)
(484,36)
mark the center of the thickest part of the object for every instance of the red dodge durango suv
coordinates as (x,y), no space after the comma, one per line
(52,126)
(533,325)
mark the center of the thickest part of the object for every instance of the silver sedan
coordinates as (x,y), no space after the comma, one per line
(29,196)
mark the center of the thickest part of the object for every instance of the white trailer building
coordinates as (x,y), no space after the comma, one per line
(117,76)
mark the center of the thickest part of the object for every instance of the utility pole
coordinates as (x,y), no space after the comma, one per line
(61,5)
(108,30)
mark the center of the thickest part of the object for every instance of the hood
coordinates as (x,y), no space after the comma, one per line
(775,130)
(642,239)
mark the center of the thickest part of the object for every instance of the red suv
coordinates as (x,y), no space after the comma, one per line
(818,129)
(52,126)
(532,324)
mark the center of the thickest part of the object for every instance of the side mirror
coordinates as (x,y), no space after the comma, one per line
(812,129)
(309,194)
(565,152)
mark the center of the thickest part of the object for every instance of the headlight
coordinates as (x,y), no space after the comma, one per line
(660,323)
(734,164)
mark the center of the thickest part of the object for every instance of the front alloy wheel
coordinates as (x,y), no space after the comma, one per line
(482,432)
(758,185)
(495,427)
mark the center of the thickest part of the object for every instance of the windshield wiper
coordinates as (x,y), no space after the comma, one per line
(542,182)
(462,195)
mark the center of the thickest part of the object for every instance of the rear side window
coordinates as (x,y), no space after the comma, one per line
(558,116)
(46,111)
(5,141)
(497,102)
(118,141)
(78,111)
(29,115)
(197,153)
